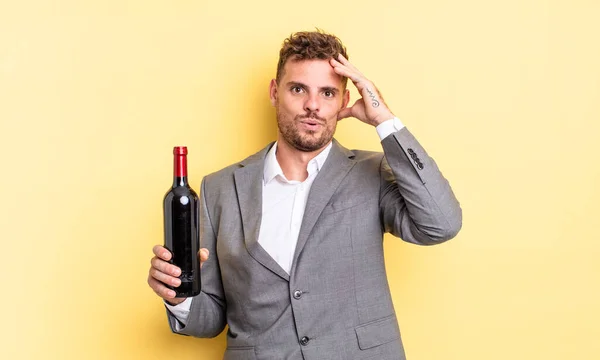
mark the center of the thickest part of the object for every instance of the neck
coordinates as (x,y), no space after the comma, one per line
(180,170)
(294,162)
(180,181)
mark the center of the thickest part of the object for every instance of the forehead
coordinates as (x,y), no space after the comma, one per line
(314,72)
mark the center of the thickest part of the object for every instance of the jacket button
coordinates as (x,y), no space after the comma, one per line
(304,341)
(297,294)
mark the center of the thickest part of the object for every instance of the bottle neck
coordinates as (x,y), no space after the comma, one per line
(180,170)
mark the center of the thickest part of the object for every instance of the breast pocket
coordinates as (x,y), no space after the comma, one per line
(240,353)
(377,333)
(349,211)
(345,204)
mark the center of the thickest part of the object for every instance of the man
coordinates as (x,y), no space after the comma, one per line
(292,236)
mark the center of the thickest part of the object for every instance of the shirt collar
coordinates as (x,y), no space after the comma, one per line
(272,168)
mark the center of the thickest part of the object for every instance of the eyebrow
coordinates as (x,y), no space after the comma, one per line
(322,88)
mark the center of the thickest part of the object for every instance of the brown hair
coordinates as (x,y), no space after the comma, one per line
(308,45)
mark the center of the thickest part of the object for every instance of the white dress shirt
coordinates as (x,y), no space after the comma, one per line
(283,207)
(283,203)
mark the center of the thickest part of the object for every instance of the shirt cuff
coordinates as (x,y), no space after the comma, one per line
(181,311)
(389,127)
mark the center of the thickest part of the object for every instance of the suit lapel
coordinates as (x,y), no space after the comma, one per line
(248,185)
(338,163)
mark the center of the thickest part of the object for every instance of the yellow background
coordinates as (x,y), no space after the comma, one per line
(504,95)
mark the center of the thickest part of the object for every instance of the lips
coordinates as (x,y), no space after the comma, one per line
(310,125)
(311,122)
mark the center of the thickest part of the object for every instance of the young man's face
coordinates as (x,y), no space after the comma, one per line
(307,100)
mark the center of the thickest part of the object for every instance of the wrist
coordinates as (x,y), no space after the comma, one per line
(382,118)
(175,301)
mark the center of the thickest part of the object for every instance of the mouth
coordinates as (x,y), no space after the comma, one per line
(311,124)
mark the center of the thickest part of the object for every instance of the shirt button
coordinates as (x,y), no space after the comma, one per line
(297,294)
(304,341)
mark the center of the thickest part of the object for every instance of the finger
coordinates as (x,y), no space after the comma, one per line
(342,70)
(164,278)
(341,58)
(348,64)
(357,78)
(165,267)
(336,64)
(203,253)
(160,289)
(161,252)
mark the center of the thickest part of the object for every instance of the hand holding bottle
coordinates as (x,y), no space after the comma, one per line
(162,274)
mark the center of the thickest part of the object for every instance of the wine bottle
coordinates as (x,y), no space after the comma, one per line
(181,227)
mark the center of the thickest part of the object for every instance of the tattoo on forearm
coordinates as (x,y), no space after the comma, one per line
(374,102)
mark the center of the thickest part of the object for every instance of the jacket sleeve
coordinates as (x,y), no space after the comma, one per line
(207,313)
(416,201)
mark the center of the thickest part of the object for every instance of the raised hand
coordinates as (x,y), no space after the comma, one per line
(371,108)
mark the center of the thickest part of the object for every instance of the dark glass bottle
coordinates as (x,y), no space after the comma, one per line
(181,227)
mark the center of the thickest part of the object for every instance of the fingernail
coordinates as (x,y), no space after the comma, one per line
(176,272)
(172,293)
(176,282)
(165,255)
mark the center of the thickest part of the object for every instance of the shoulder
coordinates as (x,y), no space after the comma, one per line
(358,155)
(367,156)
(225,176)
(367,163)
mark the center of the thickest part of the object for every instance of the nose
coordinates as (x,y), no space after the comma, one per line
(312,103)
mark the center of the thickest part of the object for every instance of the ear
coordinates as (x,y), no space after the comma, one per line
(273,92)
(346,98)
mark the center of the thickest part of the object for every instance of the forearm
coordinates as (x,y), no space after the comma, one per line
(417,202)
(205,317)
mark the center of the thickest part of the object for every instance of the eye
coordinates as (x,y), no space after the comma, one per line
(296,89)
(328,93)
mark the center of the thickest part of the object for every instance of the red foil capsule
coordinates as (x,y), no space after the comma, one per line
(180,163)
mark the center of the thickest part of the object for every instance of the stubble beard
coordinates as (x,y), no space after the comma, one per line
(307,141)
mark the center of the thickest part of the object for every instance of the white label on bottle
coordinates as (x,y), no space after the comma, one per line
(184,200)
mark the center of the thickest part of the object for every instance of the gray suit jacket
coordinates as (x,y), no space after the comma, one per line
(335,304)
